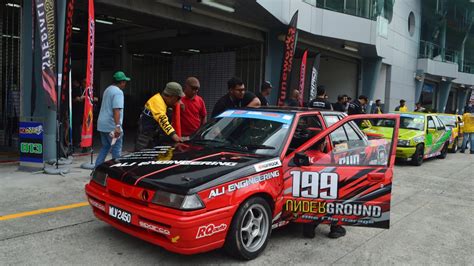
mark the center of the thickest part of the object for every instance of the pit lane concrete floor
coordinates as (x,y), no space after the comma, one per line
(432,222)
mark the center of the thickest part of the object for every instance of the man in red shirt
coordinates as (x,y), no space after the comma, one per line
(194,113)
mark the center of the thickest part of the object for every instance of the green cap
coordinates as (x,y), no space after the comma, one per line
(119,76)
(173,89)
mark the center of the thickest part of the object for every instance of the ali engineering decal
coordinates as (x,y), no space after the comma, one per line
(177,162)
(315,185)
(209,230)
(243,183)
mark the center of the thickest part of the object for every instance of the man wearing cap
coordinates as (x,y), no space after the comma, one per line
(154,116)
(194,112)
(111,118)
(265,91)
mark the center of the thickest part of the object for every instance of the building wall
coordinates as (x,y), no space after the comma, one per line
(400,50)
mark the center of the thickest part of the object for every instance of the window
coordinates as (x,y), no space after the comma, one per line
(431,123)
(411,23)
(349,146)
(331,119)
(439,124)
(308,126)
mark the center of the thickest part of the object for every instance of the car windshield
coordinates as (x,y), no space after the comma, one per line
(407,121)
(448,120)
(250,131)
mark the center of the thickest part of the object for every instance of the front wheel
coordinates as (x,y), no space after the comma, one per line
(444,151)
(454,149)
(417,158)
(250,229)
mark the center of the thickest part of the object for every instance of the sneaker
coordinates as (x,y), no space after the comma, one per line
(472,152)
(462,150)
(309,230)
(337,231)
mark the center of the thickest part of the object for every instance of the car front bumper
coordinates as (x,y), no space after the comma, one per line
(405,152)
(174,232)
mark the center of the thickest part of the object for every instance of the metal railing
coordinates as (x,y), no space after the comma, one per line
(435,52)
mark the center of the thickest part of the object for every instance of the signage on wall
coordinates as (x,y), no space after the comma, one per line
(31,142)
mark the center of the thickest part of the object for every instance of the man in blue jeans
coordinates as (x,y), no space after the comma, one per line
(109,123)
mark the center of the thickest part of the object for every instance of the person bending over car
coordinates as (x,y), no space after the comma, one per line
(154,116)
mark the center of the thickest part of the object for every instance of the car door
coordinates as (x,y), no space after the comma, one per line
(347,181)
(430,135)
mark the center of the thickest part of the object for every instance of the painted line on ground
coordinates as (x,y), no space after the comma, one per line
(41,211)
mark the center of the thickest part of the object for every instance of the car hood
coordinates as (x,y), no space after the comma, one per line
(408,134)
(185,169)
(403,133)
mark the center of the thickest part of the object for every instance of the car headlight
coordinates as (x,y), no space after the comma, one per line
(403,143)
(418,139)
(177,201)
(99,177)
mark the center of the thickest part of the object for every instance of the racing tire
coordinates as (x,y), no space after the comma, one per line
(455,147)
(250,229)
(417,158)
(444,152)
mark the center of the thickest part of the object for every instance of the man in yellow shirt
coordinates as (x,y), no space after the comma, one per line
(154,116)
(468,129)
(402,107)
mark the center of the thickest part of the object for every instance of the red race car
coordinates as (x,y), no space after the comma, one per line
(245,173)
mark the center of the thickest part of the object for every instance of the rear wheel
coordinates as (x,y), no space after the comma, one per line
(454,149)
(250,229)
(444,151)
(417,158)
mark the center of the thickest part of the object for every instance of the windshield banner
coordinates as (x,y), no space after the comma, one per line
(282,118)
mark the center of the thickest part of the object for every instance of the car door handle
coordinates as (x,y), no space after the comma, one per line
(376,177)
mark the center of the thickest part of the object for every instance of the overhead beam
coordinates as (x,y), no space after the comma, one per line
(190,18)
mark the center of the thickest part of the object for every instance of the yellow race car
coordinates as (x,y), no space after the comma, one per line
(456,124)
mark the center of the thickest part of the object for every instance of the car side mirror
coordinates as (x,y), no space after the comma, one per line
(431,130)
(301,159)
(461,124)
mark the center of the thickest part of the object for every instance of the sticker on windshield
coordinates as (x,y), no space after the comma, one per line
(270,116)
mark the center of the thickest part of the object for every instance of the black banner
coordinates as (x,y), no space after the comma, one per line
(289,52)
(314,77)
(65,113)
(46,21)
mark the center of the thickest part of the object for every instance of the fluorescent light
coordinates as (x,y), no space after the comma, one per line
(194,50)
(104,22)
(443,78)
(165,52)
(13,5)
(350,48)
(220,6)
(76,28)
(10,36)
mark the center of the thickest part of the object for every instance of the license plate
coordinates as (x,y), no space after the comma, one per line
(120,214)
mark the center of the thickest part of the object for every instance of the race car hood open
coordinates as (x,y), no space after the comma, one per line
(182,169)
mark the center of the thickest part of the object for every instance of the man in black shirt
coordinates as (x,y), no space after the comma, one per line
(264,93)
(320,100)
(357,106)
(293,99)
(341,103)
(236,97)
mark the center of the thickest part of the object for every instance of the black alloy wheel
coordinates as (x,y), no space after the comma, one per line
(417,158)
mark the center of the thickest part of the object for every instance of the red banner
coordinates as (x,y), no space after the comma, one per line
(46,21)
(302,76)
(290,46)
(87,123)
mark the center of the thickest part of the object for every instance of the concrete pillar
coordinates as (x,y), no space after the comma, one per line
(463,94)
(442,41)
(443,94)
(273,62)
(419,81)
(370,74)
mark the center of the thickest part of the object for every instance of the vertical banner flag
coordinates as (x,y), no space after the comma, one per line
(289,52)
(302,76)
(314,77)
(46,21)
(65,94)
(87,123)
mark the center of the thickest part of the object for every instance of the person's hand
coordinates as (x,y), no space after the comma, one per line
(117,132)
(176,138)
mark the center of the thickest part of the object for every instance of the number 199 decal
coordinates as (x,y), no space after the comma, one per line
(315,185)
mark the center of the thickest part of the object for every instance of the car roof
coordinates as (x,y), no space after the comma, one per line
(414,113)
(290,110)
